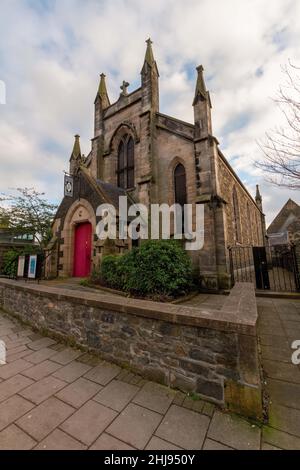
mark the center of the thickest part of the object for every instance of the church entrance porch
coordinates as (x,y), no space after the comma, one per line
(82,250)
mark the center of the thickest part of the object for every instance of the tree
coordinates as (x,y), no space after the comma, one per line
(281,147)
(29,213)
(4,218)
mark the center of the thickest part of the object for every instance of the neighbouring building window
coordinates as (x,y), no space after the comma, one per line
(236,216)
(125,170)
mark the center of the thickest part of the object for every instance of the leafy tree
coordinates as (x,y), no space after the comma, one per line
(29,213)
(4,218)
(281,147)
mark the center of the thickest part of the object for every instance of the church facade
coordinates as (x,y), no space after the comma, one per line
(150,157)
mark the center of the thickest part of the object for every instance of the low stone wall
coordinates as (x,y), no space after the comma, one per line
(209,352)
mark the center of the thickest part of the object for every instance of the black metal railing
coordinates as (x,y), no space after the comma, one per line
(274,268)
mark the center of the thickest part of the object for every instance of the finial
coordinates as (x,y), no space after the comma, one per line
(200,90)
(258,195)
(149,57)
(102,86)
(76,148)
(124,87)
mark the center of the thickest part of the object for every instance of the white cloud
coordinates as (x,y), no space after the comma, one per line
(51,59)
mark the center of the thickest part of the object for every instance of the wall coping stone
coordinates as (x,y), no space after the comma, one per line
(238,314)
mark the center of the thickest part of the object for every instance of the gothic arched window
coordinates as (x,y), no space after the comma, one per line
(125,169)
(236,216)
(180,185)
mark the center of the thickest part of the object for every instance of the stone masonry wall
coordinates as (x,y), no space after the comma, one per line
(250,217)
(178,346)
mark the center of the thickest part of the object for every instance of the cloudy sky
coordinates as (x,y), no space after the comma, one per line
(52,51)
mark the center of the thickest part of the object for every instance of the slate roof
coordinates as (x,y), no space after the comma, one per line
(287,215)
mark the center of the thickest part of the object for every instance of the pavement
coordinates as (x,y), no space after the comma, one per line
(56,397)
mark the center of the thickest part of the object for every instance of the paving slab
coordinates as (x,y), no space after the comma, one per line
(79,392)
(292,335)
(14,357)
(292,325)
(89,422)
(274,353)
(234,432)
(135,425)
(280,439)
(284,393)
(107,442)
(8,370)
(208,409)
(17,349)
(72,371)
(41,343)
(289,316)
(40,355)
(66,356)
(184,428)
(116,395)
(159,444)
(12,408)
(59,440)
(155,397)
(39,371)
(103,373)
(282,371)
(44,418)
(13,438)
(209,444)
(89,359)
(273,340)
(13,385)
(284,419)
(43,389)
(266,446)
(269,330)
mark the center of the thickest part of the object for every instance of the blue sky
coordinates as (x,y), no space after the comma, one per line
(52,52)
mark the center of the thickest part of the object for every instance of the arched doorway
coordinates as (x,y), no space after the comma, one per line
(82,250)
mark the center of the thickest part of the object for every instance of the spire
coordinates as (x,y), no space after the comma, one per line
(200,90)
(102,91)
(258,197)
(76,148)
(149,57)
(149,78)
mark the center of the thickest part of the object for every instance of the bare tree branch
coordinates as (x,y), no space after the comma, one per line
(281,146)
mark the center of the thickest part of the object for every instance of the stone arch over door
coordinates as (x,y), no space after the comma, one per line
(80,212)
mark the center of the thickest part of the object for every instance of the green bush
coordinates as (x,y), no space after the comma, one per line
(10,263)
(155,269)
(10,259)
(110,271)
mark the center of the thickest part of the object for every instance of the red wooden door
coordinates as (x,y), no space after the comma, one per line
(82,250)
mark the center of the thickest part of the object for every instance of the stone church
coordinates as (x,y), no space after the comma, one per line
(150,157)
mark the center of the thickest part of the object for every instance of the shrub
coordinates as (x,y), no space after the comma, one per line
(10,259)
(110,271)
(155,269)
(10,263)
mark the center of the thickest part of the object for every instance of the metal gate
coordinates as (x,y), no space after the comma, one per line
(274,268)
